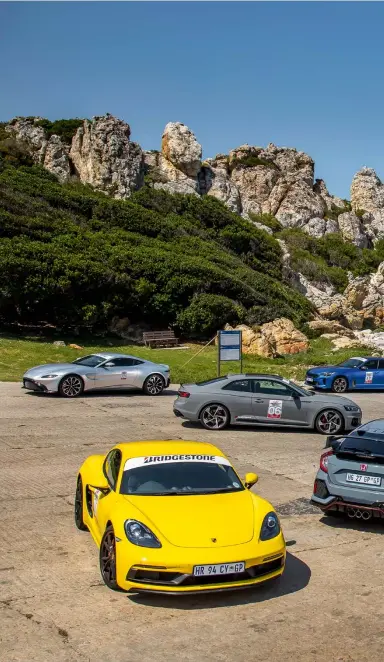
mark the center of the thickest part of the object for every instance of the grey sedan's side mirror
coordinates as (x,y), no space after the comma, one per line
(108,365)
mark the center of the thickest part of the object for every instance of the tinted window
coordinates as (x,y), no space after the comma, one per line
(364,446)
(244,385)
(125,362)
(92,360)
(112,466)
(270,387)
(381,364)
(370,365)
(350,363)
(180,478)
(211,381)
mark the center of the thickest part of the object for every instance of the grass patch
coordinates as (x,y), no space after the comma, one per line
(17,355)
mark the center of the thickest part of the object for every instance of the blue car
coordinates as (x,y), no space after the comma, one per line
(355,373)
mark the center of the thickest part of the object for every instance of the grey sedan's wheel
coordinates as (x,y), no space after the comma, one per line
(79,500)
(339,385)
(71,386)
(154,385)
(329,421)
(214,417)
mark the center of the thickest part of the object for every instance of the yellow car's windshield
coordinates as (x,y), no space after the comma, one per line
(179,477)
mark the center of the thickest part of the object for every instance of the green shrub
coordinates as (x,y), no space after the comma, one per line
(66,129)
(335,211)
(266,219)
(360,213)
(207,313)
(72,256)
(250,162)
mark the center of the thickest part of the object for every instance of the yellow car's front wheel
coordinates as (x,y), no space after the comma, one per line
(108,559)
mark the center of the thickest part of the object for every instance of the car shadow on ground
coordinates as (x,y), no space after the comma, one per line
(296,576)
(374,525)
(103,393)
(256,428)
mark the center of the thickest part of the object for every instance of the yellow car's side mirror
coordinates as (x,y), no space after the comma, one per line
(250,479)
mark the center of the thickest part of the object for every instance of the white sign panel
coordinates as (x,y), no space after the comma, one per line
(230,345)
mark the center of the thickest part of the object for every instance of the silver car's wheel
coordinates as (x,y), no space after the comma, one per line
(214,417)
(71,386)
(154,385)
(339,385)
(329,421)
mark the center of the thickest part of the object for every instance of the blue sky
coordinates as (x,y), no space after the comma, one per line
(306,75)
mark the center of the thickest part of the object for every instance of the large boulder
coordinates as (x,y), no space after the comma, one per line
(105,158)
(273,339)
(318,227)
(333,327)
(56,159)
(299,205)
(180,147)
(214,179)
(367,191)
(352,229)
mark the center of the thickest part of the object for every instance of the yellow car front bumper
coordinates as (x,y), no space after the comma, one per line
(152,572)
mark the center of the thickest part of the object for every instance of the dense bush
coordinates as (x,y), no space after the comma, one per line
(66,129)
(72,256)
(266,219)
(329,259)
(250,162)
(207,313)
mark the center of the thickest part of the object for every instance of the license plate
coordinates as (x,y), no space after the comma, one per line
(218,569)
(365,480)
(309,380)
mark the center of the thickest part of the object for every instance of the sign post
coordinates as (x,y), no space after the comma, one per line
(229,348)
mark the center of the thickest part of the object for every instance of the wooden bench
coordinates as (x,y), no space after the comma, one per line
(160,338)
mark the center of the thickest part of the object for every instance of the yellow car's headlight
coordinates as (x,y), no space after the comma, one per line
(270,527)
(139,534)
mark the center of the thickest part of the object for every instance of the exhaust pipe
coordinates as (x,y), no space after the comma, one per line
(351,512)
(359,514)
(366,514)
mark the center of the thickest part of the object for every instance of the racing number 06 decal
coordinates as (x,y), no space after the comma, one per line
(275,409)
(368,377)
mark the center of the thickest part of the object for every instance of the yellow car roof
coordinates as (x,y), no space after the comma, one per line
(170,446)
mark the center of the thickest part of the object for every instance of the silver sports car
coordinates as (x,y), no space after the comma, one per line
(98,371)
(264,400)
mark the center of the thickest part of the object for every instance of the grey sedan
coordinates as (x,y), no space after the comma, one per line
(264,400)
(98,371)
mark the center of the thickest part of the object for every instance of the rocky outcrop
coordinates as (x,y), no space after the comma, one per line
(51,152)
(367,198)
(105,158)
(180,147)
(318,227)
(331,201)
(273,339)
(352,229)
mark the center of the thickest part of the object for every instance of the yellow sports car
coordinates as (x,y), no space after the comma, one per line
(173,516)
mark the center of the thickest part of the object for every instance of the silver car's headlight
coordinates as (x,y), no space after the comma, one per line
(139,534)
(48,376)
(270,527)
(327,374)
(351,408)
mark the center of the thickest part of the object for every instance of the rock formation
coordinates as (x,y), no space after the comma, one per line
(104,157)
(252,181)
(273,339)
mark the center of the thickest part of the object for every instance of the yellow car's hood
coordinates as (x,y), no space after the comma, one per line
(212,520)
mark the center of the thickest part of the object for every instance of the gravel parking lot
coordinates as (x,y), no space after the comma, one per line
(327,607)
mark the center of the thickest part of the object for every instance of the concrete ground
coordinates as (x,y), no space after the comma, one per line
(327,607)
